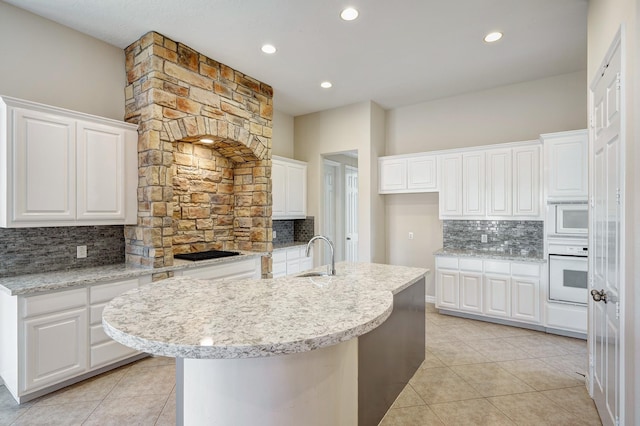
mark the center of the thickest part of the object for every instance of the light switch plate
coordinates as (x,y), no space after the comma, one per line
(483,238)
(81,252)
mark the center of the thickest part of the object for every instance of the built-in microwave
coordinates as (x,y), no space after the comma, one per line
(570,219)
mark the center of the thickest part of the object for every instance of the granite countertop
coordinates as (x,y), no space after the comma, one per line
(532,257)
(280,246)
(48,281)
(191,318)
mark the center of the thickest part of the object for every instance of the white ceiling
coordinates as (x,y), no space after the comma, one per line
(396,53)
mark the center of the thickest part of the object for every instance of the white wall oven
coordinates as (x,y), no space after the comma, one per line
(568,220)
(568,266)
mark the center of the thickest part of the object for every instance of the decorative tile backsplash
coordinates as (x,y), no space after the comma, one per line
(36,250)
(503,236)
(288,231)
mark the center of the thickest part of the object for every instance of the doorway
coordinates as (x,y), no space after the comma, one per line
(340,205)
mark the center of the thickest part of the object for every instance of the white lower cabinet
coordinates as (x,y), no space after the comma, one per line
(291,261)
(503,289)
(54,342)
(249,268)
(49,340)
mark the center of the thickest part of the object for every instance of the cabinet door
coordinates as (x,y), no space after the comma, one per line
(55,347)
(451,186)
(471,292)
(447,289)
(525,303)
(497,295)
(279,189)
(101,172)
(566,165)
(499,192)
(422,173)
(393,174)
(526,181)
(296,190)
(473,184)
(44,169)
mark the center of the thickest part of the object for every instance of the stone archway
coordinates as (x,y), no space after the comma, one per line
(194,196)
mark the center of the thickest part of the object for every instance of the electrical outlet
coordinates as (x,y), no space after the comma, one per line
(483,238)
(411,235)
(275,235)
(81,252)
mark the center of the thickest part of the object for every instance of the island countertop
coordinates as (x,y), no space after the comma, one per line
(190,318)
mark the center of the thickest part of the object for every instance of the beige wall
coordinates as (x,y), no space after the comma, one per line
(504,114)
(282,134)
(48,63)
(604,20)
(344,129)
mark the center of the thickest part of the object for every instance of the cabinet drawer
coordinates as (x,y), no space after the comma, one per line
(295,253)
(98,335)
(109,352)
(447,262)
(95,313)
(53,302)
(497,267)
(279,256)
(106,292)
(470,264)
(525,269)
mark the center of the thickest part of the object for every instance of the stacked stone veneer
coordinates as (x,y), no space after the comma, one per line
(193,196)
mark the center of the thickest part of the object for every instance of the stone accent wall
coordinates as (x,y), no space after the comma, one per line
(178,97)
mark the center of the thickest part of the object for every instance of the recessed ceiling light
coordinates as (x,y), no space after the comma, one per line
(349,14)
(269,48)
(491,37)
(206,140)
(326,84)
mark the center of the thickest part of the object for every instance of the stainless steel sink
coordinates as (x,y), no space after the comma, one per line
(313,274)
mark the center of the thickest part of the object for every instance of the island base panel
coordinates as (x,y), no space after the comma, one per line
(314,388)
(391,354)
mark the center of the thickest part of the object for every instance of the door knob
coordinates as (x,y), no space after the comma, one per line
(599,295)
(348,238)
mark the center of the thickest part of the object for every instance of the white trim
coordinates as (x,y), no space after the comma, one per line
(430,299)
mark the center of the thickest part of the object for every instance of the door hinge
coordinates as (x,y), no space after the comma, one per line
(593,202)
(617,421)
(618,196)
(618,310)
(618,84)
(591,121)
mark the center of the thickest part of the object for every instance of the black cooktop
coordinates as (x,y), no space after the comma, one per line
(204,255)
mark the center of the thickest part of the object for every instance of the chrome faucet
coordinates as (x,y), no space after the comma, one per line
(331,269)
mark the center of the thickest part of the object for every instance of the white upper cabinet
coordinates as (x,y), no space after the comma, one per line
(451,185)
(566,165)
(527,195)
(408,174)
(499,193)
(288,188)
(65,168)
(393,175)
(473,184)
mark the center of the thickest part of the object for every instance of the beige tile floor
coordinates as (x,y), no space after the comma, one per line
(474,373)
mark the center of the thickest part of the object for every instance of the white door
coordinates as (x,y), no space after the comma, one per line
(393,175)
(607,227)
(447,289)
(471,291)
(497,295)
(499,190)
(422,173)
(451,188)
(524,299)
(329,219)
(351,214)
(296,190)
(279,189)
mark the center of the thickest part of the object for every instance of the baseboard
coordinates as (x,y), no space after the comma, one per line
(430,299)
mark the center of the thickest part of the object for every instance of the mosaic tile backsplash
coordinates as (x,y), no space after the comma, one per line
(288,231)
(36,250)
(503,236)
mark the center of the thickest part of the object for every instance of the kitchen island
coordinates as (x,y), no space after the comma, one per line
(293,350)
